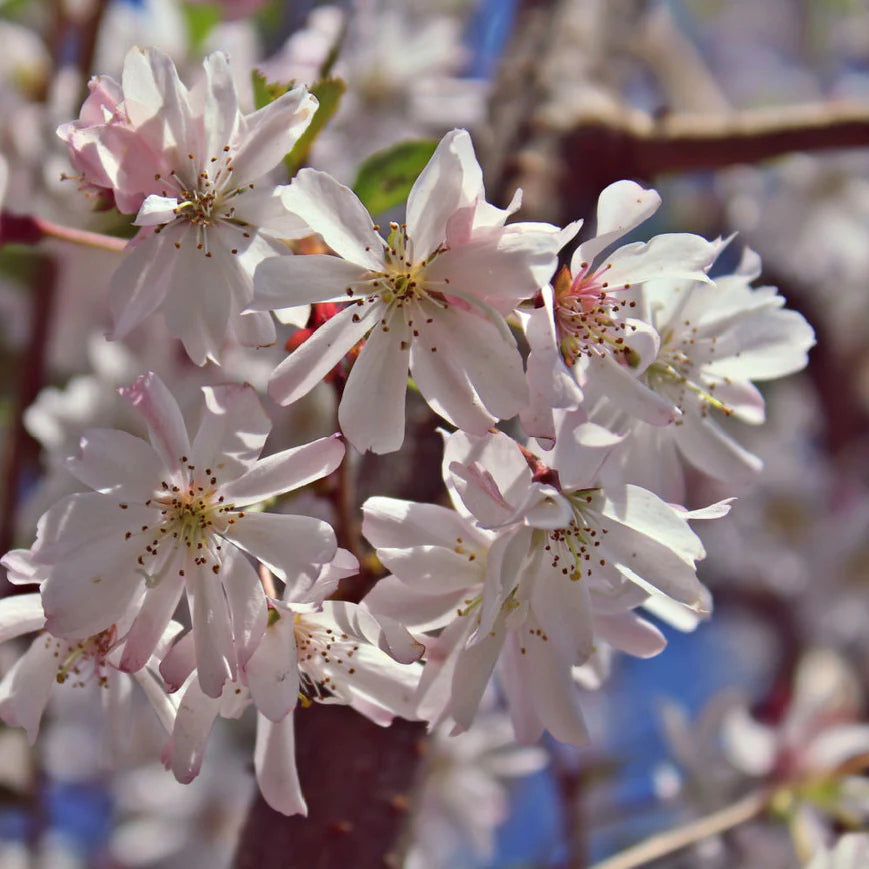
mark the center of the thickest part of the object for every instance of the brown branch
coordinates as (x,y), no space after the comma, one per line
(22,450)
(357,779)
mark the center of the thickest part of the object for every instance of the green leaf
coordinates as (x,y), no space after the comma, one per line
(201,20)
(265,92)
(385,178)
(329,92)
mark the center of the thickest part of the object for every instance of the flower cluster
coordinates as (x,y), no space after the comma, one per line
(576,399)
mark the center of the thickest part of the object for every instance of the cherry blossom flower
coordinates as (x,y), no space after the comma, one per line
(188,163)
(716,339)
(431,298)
(588,312)
(90,662)
(172,515)
(313,650)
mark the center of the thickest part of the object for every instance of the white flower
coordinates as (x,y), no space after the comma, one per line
(90,662)
(431,298)
(169,516)
(188,162)
(716,339)
(588,311)
(313,650)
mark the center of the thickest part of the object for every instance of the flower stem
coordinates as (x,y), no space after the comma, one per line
(79,236)
(666,843)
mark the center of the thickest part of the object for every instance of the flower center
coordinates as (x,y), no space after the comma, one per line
(586,315)
(90,654)
(572,548)
(321,652)
(192,514)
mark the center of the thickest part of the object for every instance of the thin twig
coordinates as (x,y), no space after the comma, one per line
(670,841)
(29,229)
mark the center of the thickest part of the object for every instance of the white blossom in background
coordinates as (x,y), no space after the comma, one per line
(193,169)
(850,852)
(173,515)
(431,298)
(463,796)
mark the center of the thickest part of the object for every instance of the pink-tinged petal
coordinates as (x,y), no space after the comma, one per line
(371,413)
(221,289)
(274,760)
(117,462)
(220,114)
(285,471)
(160,411)
(212,632)
(832,748)
(742,398)
(541,681)
(621,385)
(653,565)
(272,672)
(473,670)
(433,569)
(447,389)
(673,255)
(397,524)
(562,607)
(141,283)
(91,590)
(160,701)
(502,266)
(156,210)
(286,281)
(117,710)
(499,455)
(232,432)
(152,90)
(271,132)
(25,688)
(384,633)
(20,614)
(452,179)
(193,724)
(488,356)
(179,662)
(675,614)
(256,328)
(314,584)
(622,206)
(21,569)
(247,602)
(308,364)
(415,610)
(581,449)
(90,522)
(150,624)
(335,212)
(284,542)
(711,450)
(630,633)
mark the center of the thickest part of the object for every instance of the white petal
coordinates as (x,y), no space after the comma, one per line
(247,602)
(336,213)
(272,672)
(452,179)
(232,432)
(115,461)
(630,633)
(275,764)
(284,542)
(160,411)
(212,633)
(193,725)
(306,366)
(371,412)
(25,689)
(287,281)
(20,614)
(282,472)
